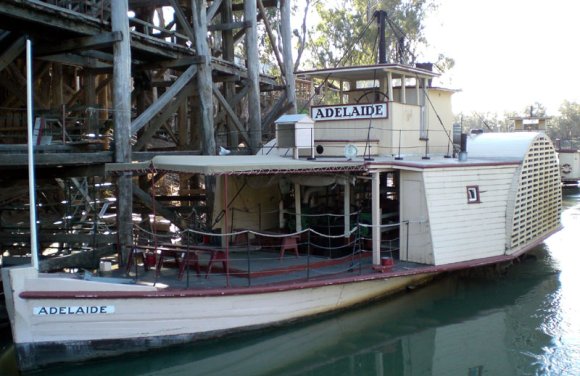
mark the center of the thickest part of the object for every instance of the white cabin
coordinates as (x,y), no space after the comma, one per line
(382,110)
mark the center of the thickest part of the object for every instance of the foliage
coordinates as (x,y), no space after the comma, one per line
(347,33)
(567,125)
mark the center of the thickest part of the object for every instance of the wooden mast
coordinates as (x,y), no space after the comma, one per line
(122,123)
(204,81)
(253,65)
(286,31)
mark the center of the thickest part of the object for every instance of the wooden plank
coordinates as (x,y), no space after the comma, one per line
(122,123)
(148,3)
(204,78)
(253,58)
(84,43)
(84,259)
(179,63)
(237,7)
(12,52)
(51,16)
(229,85)
(64,159)
(238,97)
(231,113)
(286,32)
(182,19)
(229,26)
(212,9)
(163,100)
(76,60)
(163,116)
(158,208)
(46,237)
(279,108)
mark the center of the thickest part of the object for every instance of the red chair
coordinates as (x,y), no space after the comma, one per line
(215,257)
(289,243)
(189,258)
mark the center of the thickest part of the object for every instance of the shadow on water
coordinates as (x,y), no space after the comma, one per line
(515,323)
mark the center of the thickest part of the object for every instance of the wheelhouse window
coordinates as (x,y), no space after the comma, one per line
(473,194)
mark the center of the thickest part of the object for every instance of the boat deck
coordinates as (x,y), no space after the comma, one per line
(251,269)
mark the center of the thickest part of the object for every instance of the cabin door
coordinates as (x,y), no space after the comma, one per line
(415,233)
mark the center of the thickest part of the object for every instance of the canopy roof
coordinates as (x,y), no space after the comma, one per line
(368,72)
(502,145)
(237,165)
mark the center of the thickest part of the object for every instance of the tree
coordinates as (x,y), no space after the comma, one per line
(347,32)
(567,125)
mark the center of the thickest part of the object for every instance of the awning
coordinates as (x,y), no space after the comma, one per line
(236,165)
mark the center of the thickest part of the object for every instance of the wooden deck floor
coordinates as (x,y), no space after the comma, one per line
(262,268)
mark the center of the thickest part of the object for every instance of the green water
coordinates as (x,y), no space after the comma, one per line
(523,322)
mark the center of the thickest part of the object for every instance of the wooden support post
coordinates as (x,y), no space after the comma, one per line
(122,122)
(254,111)
(286,31)
(165,99)
(346,204)
(57,95)
(204,80)
(162,116)
(403,90)
(228,55)
(376,217)
(194,120)
(91,122)
(9,54)
(298,207)
(390,85)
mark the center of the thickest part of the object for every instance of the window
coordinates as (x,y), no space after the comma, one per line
(473,194)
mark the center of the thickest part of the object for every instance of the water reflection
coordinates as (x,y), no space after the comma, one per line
(524,322)
(560,309)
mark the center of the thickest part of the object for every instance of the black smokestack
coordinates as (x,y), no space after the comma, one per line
(381,21)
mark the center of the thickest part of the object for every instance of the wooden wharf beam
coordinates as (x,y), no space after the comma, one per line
(204,78)
(253,62)
(231,113)
(147,115)
(57,237)
(122,123)
(162,116)
(182,19)
(78,44)
(16,49)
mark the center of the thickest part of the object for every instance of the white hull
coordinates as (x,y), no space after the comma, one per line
(151,319)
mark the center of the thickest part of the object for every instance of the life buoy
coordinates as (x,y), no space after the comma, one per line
(566,168)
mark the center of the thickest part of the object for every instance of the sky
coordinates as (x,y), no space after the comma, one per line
(508,54)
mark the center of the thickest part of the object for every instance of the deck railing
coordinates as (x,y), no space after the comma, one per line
(248,258)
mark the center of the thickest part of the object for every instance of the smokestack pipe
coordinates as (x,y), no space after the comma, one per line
(381,20)
(463,148)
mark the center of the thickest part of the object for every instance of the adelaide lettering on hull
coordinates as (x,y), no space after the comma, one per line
(68,310)
(349,112)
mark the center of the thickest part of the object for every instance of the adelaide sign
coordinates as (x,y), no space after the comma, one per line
(349,112)
(74,310)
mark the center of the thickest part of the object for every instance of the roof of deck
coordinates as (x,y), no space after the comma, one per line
(237,165)
(369,72)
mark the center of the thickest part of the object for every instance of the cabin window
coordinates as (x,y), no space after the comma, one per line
(473,194)
(367,84)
